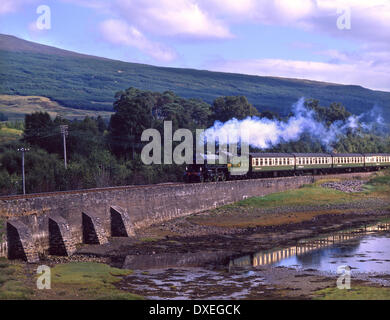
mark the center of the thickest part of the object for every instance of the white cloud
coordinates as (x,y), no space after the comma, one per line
(172,18)
(119,32)
(348,72)
(9,6)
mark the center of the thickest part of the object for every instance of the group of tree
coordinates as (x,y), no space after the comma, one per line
(106,152)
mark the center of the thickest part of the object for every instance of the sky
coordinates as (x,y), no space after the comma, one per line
(340,41)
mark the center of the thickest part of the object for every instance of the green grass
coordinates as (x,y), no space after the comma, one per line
(314,194)
(9,134)
(306,195)
(379,185)
(16,107)
(248,212)
(89,280)
(150,239)
(355,293)
(12,282)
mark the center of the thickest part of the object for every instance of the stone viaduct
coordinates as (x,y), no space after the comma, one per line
(55,223)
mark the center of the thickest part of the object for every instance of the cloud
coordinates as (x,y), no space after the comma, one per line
(184,18)
(10,6)
(370,19)
(346,71)
(120,33)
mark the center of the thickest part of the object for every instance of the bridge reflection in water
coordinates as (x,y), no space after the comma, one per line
(264,258)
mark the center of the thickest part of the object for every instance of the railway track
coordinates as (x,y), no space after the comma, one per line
(57,193)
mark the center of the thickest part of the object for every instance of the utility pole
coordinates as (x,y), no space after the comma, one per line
(64,132)
(23,150)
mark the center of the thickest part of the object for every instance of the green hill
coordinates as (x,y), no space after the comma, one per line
(87,82)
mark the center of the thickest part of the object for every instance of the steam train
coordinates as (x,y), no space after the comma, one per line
(266,165)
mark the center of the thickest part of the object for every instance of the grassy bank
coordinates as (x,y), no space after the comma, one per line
(355,293)
(77,280)
(9,134)
(16,107)
(86,280)
(294,206)
(13,281)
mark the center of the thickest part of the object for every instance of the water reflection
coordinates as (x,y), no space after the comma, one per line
(357,248)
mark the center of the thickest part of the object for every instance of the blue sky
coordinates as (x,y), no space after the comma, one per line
(297,39)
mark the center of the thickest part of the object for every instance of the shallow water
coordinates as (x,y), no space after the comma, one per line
(369,253)
(365,250)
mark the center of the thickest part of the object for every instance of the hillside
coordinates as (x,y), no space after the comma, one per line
(15,107)
(88,82)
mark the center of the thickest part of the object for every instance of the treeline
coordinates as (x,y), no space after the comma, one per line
(107,153)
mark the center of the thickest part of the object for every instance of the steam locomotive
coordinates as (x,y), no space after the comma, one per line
(263,165)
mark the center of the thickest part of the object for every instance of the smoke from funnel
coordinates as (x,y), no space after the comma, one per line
(264,133)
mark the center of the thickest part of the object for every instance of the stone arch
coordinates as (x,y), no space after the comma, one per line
(56,241)
(20,242)
(93,230)
(120,223)
(61,240)
(89,232)
(14,243)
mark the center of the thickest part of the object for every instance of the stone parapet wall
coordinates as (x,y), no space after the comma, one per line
(68,218)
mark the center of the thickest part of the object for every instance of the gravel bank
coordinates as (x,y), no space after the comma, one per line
(348,186)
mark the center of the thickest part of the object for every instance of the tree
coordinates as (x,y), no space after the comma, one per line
(328,115)
(39,130)
(3,117)
(133,114)
(226,108)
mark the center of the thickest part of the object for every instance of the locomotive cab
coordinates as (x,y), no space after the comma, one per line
(208,171)
(194,173)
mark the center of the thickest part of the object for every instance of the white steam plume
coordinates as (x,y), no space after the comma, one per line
(264,133)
